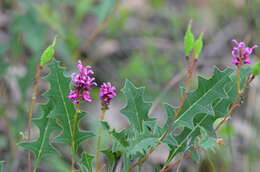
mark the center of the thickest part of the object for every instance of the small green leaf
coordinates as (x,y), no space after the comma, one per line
(86,162)
(198,45)
(188,41)
(256,68)
(48,53)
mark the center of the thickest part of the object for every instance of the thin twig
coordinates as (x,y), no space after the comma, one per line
(30,111)
(98,162)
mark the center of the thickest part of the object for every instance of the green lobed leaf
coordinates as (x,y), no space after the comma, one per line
(42,146)
(200,100)
(142,133)
(63,109)
(136,108)
(198,110)
(198,45)
(188,41)
(221,106)
(48,53)
(204,121)
(86,162)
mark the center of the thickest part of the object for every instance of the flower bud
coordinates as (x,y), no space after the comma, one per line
(220,141)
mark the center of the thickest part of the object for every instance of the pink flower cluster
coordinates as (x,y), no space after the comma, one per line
(107,92)
(82,83)
(241,53)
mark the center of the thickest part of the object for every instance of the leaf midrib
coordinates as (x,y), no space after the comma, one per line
(65,107)
(195,103)
(202,120)
(43,138)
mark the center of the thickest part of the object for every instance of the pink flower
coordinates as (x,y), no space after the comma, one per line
(106,93)
(241,53)
(82,84)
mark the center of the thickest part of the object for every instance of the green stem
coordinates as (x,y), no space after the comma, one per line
(100,131)
(73,147)
(238,79)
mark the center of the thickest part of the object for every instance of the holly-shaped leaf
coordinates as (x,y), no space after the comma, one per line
(198,111)
(136,108)
(200,100)
(186,140)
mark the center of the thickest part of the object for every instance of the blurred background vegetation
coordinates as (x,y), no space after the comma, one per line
(136,39)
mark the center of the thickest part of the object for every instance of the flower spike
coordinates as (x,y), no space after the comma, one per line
(106,94)
(82,84)
(241,53)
